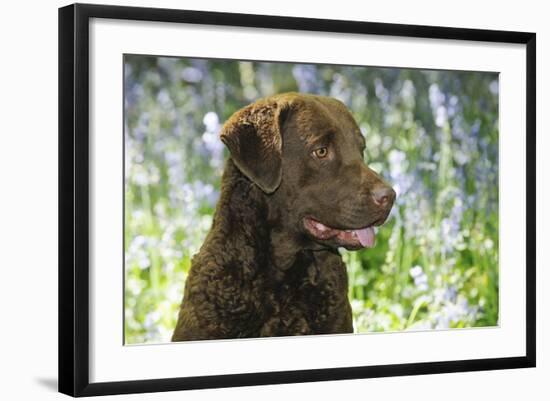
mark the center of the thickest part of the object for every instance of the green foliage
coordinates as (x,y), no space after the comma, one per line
(432,134)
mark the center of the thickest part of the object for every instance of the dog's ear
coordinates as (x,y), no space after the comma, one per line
(253,137)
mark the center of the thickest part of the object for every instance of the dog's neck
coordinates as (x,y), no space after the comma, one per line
(246,218)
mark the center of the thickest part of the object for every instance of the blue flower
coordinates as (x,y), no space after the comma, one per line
(420,278)
(306,78)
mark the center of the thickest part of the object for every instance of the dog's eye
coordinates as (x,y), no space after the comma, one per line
(321,153)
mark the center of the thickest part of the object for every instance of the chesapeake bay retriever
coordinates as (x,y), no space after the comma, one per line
(294,190)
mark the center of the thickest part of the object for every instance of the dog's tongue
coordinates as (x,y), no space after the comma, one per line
(366,236)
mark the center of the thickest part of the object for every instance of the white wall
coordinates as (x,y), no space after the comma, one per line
(28,198)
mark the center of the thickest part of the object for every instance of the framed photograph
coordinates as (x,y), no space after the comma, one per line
(251,199)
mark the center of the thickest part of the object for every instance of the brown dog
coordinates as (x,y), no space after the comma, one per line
(294,190)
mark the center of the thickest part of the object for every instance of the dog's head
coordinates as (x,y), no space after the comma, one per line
(305,152)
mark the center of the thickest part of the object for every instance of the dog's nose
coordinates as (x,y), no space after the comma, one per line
(383,195)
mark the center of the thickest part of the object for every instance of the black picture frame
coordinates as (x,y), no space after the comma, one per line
(74,194)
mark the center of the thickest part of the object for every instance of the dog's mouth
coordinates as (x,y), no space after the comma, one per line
(350,239)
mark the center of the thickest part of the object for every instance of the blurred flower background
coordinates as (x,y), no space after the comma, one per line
(432,134)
